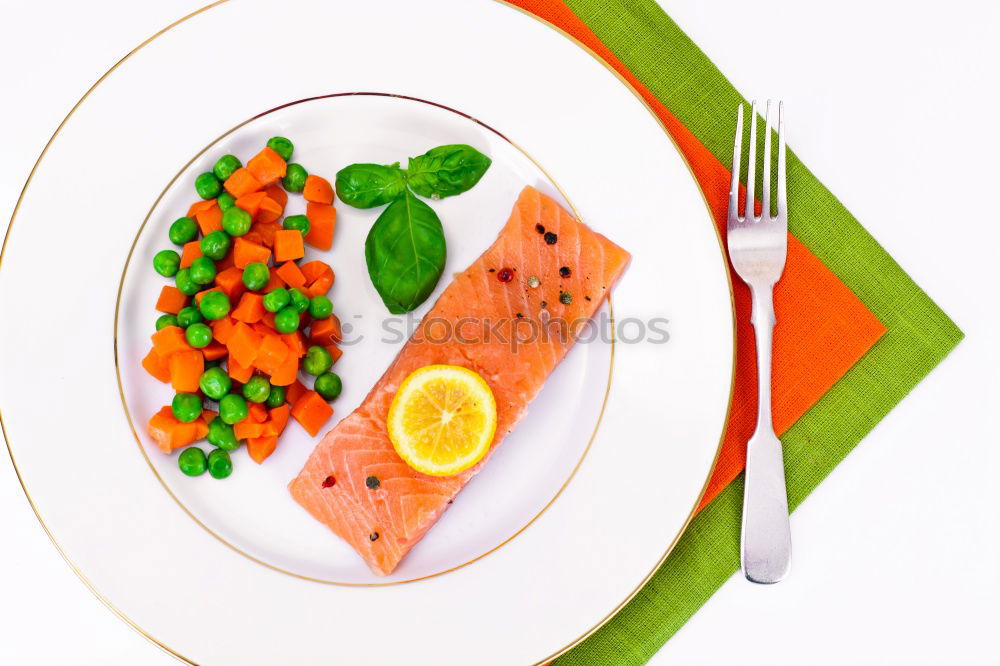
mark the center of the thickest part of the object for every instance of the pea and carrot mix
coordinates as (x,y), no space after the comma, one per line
(245,313)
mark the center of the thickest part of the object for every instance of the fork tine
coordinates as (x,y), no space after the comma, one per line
(782,210)
(765,186)
(734,187)
(748,211)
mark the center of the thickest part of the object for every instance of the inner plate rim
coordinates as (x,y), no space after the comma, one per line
(142,447)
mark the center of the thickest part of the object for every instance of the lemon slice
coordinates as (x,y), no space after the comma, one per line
(442,419)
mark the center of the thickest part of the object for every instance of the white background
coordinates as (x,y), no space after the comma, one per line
(894,105)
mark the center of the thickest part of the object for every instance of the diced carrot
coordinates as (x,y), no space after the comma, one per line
(262,233)
(185,370)
(322,222)
(254,236)
(295,391)
(190,252)
(278,194)
(171,300)
(251,202)
(246,252)
(287,372)
(319,278)
(270,210)
(201,294)
(257,412)
(250,309)
(325,331)
(214,351)
(184,434)
(226,262)
(295,342)
(273,282)
(247,428)
(262,329)
(230,281)
(288,245)
(272,354)
(268,320)
(291,275)
(279,417)
(239,372)
(335,352)
(242,183)
(243,344)
(260,448)
(317,190)
(160,427)
(222,329)
(311,411)
(267,166)
(170,340)
(209,218)
(156,366)
(198,206)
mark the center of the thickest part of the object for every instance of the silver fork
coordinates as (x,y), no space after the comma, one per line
(757,248)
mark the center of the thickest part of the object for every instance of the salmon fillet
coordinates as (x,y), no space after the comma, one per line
(510,333)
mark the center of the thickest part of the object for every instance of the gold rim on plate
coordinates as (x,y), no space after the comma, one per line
(656,118)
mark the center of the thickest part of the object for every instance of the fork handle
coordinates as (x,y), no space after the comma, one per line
(766,542)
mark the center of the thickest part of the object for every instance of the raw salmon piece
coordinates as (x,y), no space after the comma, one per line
(512,334)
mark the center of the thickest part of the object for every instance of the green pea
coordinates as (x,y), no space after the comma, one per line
(320,307)
(185,284)
(317,361)
(165,320)
(328,385)
(287,320)
(214,305)
(299,301)
(225,201)
(236,221)
(221,434)
(192,461)
(189,315)
(183,230)
(276,398)
(215,383)
(295,178)
(256,276)
(225,166)
(166,263)
(277,299)
(207,185)
(198,335)
(202,270)
(220,465)
(257,389)
(186,407)
(282,146)
(232,408)
(215,245)
(298,223)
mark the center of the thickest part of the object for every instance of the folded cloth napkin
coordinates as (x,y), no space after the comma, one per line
(855,334)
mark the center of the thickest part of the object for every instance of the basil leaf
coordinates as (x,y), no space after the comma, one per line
(446,170)
(405,253)
(370,185)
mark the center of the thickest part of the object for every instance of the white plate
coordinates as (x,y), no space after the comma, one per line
(242,575)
